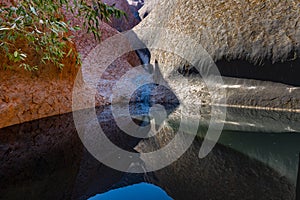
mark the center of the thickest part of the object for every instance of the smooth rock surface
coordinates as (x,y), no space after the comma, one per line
(253,31)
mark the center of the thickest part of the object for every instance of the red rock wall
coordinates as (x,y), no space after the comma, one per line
(25,96)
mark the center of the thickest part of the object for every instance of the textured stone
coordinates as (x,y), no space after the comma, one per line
(25,96)
(255,31)
(85,42)
(148,6)
(124,23)
(250,30)
(134,6)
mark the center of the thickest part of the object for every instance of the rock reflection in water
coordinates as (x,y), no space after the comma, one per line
(45,159)
(223,174)
(39,159)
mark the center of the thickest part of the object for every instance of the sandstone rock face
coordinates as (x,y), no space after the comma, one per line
(253,30)
(141,8)
(148,6)
(135,5)
(85,42)
(122,24)
(25,96)
(261,33)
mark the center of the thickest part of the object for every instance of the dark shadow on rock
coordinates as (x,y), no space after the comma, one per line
(283,72)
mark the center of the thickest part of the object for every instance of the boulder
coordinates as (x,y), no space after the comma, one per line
(135,5)
(147,7)
(122,24)
(250,39)
(252,30)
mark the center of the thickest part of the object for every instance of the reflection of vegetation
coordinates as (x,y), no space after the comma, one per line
(37,28)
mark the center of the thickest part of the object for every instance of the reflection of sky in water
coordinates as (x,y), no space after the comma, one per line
(143,191)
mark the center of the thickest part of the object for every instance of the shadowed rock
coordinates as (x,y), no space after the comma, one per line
(249,39)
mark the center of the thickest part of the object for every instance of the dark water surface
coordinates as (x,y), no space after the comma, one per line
(45,159)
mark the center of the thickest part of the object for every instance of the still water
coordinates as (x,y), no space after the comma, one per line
(134,192)
(256,158)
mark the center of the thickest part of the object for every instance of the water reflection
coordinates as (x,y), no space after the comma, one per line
(44,159)
(135,192)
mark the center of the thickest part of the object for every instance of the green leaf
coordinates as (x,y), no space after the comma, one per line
(77,28)
(40,25)
(16,54)
(69,53)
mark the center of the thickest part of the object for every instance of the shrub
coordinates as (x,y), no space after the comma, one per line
(37,27)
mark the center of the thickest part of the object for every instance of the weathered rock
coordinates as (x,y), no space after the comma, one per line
(124,23)
(85,42)
(147,7)
(253,30)
(135,5)
(26,96)
(263,34)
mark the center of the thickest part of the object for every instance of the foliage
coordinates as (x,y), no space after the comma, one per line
(39,26)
